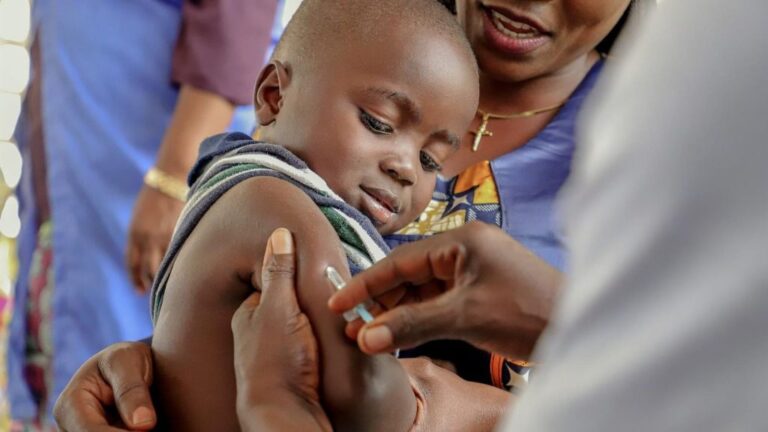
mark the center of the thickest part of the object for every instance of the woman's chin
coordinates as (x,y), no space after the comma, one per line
(507,70)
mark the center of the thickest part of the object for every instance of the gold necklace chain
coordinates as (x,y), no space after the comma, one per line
(483,131)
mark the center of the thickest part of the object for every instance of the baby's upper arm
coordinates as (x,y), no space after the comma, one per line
(212,274)
(281,204)
(216,269)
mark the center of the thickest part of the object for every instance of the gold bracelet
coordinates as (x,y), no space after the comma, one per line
(166,184)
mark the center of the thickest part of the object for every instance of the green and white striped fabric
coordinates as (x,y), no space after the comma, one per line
(228,159)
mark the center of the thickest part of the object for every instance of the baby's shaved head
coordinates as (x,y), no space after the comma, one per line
(374,95)
(320,26)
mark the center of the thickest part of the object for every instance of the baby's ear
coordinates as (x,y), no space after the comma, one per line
(270,89)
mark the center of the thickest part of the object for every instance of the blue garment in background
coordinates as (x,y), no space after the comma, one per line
(528,181)
(107,99)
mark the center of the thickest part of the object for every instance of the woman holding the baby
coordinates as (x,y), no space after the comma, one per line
(538,61)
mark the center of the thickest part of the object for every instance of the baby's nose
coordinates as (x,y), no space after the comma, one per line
(400,169)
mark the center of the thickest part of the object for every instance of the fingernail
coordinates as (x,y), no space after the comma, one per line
(378,338)
(142,416)
(282,242)
(268,252)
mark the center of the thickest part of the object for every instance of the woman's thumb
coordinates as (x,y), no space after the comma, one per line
(278,273)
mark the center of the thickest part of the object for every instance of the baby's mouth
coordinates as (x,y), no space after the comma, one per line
(380,205)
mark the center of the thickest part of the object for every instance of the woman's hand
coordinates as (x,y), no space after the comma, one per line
(270,334)
(474,283)
(198,114)
(276,357)
(116,379)
(152,224)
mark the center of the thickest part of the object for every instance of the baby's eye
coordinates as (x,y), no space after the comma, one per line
(428,162)
(375,125)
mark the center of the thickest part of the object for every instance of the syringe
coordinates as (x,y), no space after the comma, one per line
(358,311)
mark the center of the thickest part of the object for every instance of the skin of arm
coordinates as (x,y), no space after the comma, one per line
(446,402)
(449,403)
(198,115)
(289,399)
(214,272)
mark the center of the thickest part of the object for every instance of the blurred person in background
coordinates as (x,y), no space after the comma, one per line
(121,91)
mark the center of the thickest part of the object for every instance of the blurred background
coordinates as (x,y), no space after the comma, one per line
(15,40)
(14,76)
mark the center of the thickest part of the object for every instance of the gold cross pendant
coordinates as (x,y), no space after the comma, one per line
(481,132)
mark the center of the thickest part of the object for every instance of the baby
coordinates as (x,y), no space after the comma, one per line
(361,103)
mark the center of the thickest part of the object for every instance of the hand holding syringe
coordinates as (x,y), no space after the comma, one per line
(358,311)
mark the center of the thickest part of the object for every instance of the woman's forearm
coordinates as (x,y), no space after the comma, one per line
(198,115)
(448,402)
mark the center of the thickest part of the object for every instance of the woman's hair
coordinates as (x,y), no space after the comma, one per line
(450,4)
(635,7)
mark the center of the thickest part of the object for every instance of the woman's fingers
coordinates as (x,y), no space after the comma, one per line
(417,263)
(278,294)
(409,289)
(278,274)
(143,259)
(410,325)
(397,297)
(154,218)
(127,369)
(120,375)
(133,261)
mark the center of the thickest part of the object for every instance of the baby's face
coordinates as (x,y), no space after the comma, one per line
(376,121)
